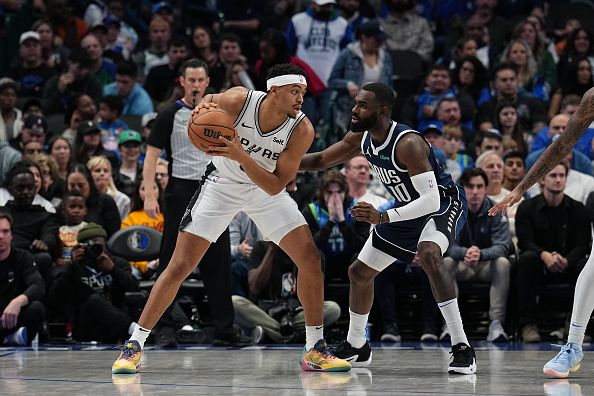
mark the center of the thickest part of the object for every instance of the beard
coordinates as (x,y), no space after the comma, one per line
(364,124)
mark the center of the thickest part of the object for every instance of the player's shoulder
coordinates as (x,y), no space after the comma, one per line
(303,125)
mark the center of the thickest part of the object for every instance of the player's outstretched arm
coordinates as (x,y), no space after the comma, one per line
(336,154)
(555,153)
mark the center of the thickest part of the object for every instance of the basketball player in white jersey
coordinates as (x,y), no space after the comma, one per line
(249,174)
(570,357)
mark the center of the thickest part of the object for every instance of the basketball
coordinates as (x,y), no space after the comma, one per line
(206,126)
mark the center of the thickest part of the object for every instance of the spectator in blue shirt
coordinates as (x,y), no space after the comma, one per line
(136,100)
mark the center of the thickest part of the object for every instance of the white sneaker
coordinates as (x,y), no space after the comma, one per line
(429,337)
(496,332)
(257,334)
(17,338)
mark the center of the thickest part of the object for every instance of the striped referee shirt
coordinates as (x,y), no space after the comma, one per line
(170,132)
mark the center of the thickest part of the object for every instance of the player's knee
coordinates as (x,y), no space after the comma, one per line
(178,270)
(430,257)
(360,273)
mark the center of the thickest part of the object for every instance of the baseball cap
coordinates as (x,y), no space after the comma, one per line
(324,2)
(99,25)
(87,126)
(91,230)
(30,35)
(162,5)
(129,135)
(7,82)
(434,127)
(35,121)
(373,29)
(148,117)
(111,20)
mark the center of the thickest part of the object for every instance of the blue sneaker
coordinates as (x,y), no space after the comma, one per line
(17,338)
(568,359)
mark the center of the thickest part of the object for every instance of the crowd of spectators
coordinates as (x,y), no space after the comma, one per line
(489,84)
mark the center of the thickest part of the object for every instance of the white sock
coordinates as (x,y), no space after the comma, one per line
(583,303)
(313,334)
(132,327)
(451,314)
(140,334)
(356,334)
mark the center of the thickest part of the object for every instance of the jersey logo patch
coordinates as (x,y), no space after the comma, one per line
(246,126)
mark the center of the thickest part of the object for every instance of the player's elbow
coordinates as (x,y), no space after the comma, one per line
(433,201)
(274,190)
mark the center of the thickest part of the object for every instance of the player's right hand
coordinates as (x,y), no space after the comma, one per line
(151,207)
(206,106)
(509,200)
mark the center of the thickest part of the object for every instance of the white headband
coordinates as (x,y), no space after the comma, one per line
(286,79)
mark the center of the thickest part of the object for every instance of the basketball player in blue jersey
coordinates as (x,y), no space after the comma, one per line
(249,174)
(430,210)
(570,357)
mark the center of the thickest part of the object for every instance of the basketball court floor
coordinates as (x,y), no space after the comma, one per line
(397,369)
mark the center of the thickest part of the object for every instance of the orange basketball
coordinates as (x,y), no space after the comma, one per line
(206,126)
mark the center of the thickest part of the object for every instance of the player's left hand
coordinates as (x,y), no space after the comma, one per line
(232,149)
(510,199)
(362,211)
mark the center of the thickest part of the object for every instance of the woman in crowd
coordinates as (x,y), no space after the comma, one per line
(471,76)
(138,217)
(101,208)
(507,123)
(101,172)
(52,186)
(54,55)
(528,31)
(60,150)
(335,232)
(579,44)
(530,81)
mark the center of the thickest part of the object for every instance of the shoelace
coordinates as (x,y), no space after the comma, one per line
(127,352)
(459,354)
(327,351)
(564,348)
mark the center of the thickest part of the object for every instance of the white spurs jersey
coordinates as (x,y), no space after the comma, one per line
(264,148)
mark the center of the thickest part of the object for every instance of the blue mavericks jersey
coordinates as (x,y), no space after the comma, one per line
(385,165)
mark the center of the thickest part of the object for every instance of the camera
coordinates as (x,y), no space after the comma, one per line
(284,315)
(92,252)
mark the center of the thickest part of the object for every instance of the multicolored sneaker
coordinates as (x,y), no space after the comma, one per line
(567,360)
(129,360)
(321,358)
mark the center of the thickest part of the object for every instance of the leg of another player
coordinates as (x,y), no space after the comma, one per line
(356,349)
(444,291)
(570,357)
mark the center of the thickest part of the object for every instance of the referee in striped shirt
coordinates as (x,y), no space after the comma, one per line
(186,166)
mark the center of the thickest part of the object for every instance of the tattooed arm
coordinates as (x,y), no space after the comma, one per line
(555,153)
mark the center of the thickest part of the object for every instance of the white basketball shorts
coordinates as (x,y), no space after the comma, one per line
(218,200)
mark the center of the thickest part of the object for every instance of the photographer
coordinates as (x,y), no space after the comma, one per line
(90,290)
(272,281)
